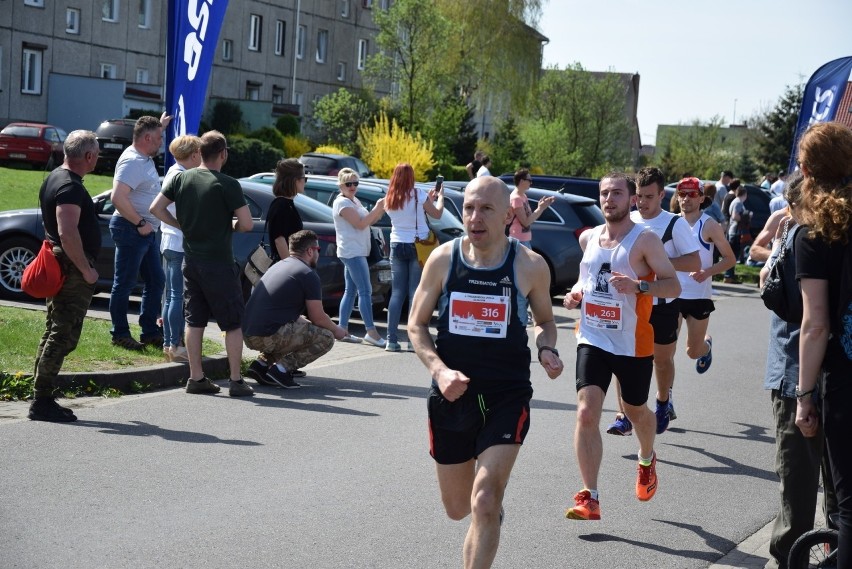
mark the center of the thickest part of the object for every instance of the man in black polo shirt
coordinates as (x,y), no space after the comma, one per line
(71,225)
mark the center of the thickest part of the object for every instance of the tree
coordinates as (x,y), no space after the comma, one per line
(385,144)
(227,118)
(701,149)
(508,149)
(776,129)
(338,116)
(451,128)
(576,123)
(413,38)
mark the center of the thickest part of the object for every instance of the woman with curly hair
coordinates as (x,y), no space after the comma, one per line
(824,269)
(407,207)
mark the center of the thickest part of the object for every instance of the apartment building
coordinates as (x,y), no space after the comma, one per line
(76,63)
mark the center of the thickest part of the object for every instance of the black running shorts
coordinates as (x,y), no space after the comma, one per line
(698,308)
(596,367)
(664,319)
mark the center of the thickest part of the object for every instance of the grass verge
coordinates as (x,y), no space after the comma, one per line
(21,186)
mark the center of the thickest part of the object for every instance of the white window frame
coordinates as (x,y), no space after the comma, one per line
(363,49)
(31,66)
(384,5)
(299,100)
(341,71)
(145,14)
(72,20)
(108,71)
(142,75)
(280,36)
(252,91)
(227,50)
(277,95)
(255,31)
(301,34)
(34,3)
(109,10)
(322,46)
(344,8)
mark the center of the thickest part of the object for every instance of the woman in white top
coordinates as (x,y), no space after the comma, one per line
(407,207)
(186,150)
(352,224)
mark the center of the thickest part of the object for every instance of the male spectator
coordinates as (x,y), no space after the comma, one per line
(722,187)
(768,180)
(729,197)
(274,324)
(738,225)
(614,335)
(777,203)
(696,297)
(777,187)
(71,226)
(134,231)
(485,273)
(681,247)
(474,166)
(207,201)
(710,206)
(483,170)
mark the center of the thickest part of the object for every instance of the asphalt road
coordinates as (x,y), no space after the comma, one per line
(337,474)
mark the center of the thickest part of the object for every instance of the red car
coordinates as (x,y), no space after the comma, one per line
(38,144)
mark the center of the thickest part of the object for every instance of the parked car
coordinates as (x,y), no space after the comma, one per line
(555,234)
(325,190)
(331,164)
(114,136)
(586,187)
(21,234)
(757,202)
(41,145)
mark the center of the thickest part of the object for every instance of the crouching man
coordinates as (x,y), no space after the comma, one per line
(273,322)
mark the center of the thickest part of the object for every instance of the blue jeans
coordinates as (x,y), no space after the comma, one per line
(135,255)
(405,276)
(357,276)
(173,321)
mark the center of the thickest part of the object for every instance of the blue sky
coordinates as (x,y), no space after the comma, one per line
(697,59)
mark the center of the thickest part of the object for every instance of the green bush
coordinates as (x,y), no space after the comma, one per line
(288,125)
(270,136)
(227,118)
(249,156)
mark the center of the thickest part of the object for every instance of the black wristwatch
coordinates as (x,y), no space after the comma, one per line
(142,222)
(644,287)
(800,394)
(547,349)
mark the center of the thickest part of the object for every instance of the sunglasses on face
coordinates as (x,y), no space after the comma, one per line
(688,194)
(350,184)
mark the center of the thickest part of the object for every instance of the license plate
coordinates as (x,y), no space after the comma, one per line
(18,156)
(112,146)
(384,276)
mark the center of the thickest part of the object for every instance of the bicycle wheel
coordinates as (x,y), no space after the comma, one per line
(816,548)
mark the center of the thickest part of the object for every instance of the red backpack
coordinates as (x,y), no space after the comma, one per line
(43,277)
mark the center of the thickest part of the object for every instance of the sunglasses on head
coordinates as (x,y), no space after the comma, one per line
(350,184)
(688,193)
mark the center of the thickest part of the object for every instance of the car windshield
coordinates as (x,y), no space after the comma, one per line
(21,130)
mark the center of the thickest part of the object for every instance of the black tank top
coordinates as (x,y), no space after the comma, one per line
(485,304)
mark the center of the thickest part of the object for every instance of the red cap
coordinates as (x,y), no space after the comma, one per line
(690,184)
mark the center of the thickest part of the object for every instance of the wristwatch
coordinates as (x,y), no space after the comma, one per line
(644,287)
(800,394)
(547,349)
(142,222)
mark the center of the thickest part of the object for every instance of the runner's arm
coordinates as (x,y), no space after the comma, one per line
(715,235)
(535,268)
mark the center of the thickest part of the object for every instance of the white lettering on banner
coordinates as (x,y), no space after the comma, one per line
(179,120)
(194,44)
(821,97)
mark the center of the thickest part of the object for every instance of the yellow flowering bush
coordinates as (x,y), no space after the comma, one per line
(295,146)
(329,149)
(385,144)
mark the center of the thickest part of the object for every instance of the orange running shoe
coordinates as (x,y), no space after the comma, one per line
(585,507)
(646,481)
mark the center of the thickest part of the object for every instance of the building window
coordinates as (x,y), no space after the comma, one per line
(344,8)
(227,50)
(34,3)
(72,21)
(363,48)
(109,10)
(367,3)
(299,99)
(107,71)
(277,95)
(255,25)
(252,91)
(141,75)
(341,71)
(31,72)
(384,4)
(300,42)
(322,45)
(145,14)
(280,33)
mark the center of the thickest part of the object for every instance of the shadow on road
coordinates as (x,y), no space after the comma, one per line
(750,433)
(141,429)
(728,466)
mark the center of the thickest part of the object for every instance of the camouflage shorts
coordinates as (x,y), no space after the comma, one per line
(294,345)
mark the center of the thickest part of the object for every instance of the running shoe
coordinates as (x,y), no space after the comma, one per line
(703,363)
(621,426)
(662,413)
(646,480)
(585,507)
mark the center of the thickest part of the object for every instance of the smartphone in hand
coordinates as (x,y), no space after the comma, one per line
(439,183)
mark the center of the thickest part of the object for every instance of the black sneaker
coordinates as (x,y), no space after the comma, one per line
(128,343)
(297,373)
(239,388)
(156,340)
(47,409)
(257,371)
(281,378)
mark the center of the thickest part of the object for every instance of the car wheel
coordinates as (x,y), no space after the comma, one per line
(15,254)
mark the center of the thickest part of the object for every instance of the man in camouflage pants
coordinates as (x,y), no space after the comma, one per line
(71,225)
(273,322)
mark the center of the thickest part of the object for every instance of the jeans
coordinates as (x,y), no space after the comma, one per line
(405,276)
(836,414)
(134,255)
(736,247)
(173,321)
(357,275)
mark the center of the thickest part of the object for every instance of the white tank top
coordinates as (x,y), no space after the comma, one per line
(612,321)
(690,288)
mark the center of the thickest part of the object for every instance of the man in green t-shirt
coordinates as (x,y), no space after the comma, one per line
(206,202)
